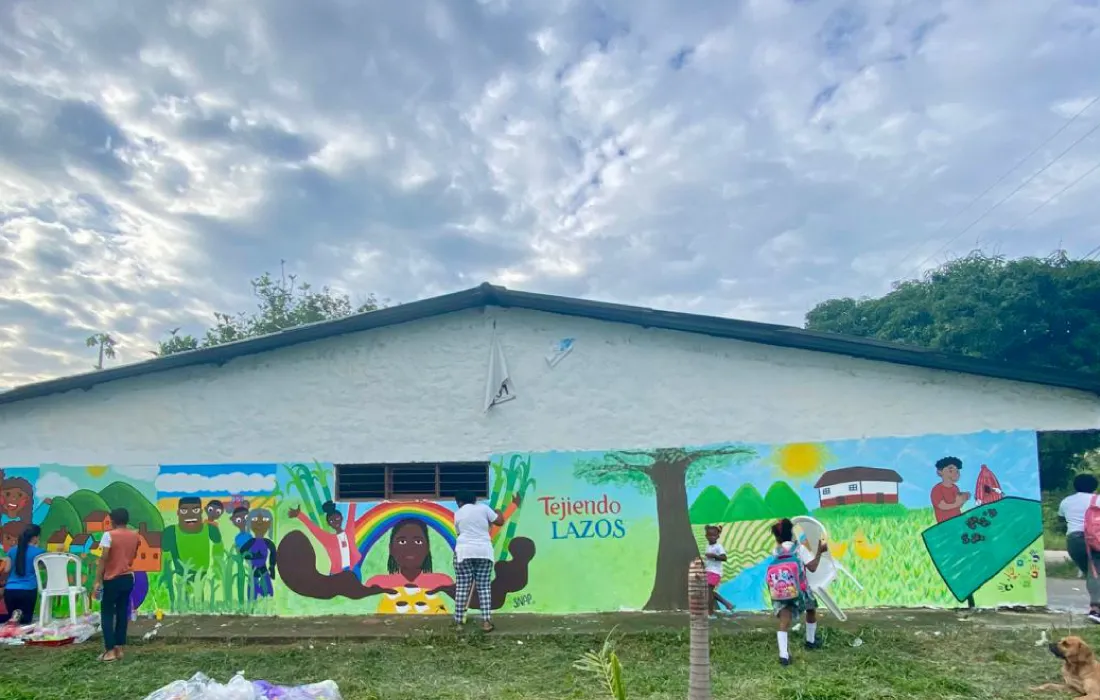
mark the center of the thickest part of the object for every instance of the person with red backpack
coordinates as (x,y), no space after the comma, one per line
(790,593)
(1081,513)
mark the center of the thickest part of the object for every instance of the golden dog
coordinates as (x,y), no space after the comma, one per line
(1080,670)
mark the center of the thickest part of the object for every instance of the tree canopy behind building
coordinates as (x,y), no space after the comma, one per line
(281,303)
(1028,311)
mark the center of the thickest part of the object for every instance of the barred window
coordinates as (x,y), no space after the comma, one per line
(410,480)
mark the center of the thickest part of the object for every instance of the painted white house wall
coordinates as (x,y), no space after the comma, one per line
(416,392)
(884,487)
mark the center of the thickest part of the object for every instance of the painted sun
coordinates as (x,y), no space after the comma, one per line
(800,460)
(97,470)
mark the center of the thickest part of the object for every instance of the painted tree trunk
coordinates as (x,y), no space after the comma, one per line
(699,653)
(676,544)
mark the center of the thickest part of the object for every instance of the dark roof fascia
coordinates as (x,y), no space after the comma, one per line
(489,295)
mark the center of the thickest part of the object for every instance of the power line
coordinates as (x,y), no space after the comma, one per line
(1057,194)
(1008,196)
(1091,254)
(999,180)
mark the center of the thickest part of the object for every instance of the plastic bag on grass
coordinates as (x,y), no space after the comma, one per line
(325,690)
(201,687)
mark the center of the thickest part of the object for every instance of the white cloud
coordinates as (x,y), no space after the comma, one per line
(236,482)
(635,152)
(52,484)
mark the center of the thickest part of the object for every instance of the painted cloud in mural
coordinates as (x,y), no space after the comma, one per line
(231,482)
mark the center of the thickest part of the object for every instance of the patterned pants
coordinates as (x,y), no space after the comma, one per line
(471,573)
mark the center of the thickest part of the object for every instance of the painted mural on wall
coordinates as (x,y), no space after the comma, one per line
(390,557)
(927,521)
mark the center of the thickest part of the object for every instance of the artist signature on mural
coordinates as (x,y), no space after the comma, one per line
(523,601)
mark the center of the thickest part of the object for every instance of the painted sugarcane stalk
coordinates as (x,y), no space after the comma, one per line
(321,475)
(699,650)
(303,483)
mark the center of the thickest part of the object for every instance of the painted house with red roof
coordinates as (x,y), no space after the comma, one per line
(851,485)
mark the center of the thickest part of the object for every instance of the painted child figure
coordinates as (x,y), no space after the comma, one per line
(790,593)
(712,561)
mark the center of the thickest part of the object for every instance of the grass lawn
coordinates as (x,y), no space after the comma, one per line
(957,662)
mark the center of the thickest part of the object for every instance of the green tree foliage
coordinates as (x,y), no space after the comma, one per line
(783,501)
(709,506)
(282,303)
(1029,311)
(746,504)
(106,345)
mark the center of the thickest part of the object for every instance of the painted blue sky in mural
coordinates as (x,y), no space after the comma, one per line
(176,480)
(1012,456)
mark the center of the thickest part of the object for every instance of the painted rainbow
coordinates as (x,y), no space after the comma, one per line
(380,519)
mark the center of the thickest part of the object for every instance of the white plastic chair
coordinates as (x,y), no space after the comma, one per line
(812,532)
(55,566)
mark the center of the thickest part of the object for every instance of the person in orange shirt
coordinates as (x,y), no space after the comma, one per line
(114,582)
(947,500)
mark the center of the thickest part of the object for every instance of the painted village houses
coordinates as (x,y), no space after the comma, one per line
(314,471)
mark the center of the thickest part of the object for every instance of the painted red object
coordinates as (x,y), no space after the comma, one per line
(987,489)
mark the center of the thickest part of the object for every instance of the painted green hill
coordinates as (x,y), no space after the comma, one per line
(709,507)
(746,504)
(61,515)
(782,501)
(122,495)
(86,501)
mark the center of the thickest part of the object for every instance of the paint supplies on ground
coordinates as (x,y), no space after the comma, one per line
(201,687)
(54,634)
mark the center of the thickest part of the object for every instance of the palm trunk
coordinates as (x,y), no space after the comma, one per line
(699,654)
(676,546)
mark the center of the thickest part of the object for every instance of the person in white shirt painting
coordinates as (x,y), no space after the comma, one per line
(474,556)
(1072,511)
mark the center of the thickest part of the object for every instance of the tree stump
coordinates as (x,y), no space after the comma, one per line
(699,654)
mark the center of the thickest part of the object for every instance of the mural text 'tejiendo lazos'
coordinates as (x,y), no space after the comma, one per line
(936,520)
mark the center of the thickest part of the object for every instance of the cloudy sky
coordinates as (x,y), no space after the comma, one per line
(745,157)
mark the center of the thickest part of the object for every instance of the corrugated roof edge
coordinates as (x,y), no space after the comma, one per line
(490,295)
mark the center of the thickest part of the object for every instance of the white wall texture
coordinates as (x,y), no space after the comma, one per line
(416,392)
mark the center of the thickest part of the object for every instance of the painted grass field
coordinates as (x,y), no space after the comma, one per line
(882,548)
(949,664)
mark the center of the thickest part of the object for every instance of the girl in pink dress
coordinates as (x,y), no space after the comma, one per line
(340,544)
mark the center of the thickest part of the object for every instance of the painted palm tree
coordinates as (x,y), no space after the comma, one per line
(699,654)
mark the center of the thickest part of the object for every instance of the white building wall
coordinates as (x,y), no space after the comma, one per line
(416,391)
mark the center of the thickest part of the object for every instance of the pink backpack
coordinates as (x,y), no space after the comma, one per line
(785,577)
(1092,528)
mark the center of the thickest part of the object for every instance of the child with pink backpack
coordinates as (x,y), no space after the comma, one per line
(789,590)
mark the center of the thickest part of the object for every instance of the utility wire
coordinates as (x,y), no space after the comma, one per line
(1091,254)
(1008,196)
(999,180)
(1056,195)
